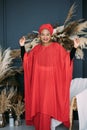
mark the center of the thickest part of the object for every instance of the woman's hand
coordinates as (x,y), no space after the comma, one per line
(76,42)
(22,41)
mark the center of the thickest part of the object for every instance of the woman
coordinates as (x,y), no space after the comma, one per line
(47,75)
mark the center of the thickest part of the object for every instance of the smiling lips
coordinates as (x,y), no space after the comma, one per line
(45,39)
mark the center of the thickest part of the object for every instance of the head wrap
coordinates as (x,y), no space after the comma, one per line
(46,26)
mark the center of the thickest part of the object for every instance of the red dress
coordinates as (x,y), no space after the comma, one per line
(47,76)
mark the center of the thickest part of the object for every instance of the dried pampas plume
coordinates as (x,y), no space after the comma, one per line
(5,63)
(71,13)
(5,99)
(7,70)
(19,108)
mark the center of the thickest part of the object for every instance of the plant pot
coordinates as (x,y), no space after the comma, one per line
(2,120)
(18,121)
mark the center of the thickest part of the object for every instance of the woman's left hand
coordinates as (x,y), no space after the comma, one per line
(76,42)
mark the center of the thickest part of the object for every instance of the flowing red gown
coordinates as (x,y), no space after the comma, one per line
(47,76)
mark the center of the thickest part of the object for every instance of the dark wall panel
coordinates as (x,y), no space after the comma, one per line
(78,68)
(1,22)
(84,4)
(24,16)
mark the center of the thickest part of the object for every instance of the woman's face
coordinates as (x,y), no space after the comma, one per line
(45,36)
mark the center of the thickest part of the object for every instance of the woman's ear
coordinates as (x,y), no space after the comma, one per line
(38,36)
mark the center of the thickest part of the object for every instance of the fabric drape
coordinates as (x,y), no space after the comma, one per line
(47,76)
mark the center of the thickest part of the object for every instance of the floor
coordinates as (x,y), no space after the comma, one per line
(24,127)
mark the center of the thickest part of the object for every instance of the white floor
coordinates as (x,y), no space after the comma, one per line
(75,126)
(24,127)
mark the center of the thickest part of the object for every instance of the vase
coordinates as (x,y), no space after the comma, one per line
(2,120)
(18,121)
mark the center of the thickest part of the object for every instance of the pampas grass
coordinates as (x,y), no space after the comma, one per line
(5,63)
(5,99)
(71,13)
(19,108)
(66,33)
(7,70)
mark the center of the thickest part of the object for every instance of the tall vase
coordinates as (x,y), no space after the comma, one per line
(2,120)
(18,121)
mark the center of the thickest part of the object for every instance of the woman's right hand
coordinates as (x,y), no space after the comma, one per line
(22,41)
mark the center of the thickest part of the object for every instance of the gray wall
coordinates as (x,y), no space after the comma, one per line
(19,17)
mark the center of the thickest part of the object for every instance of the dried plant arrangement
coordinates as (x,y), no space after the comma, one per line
(19,108)
(5,99)
(71,29)
(5,62)
(7,70)
(64,34)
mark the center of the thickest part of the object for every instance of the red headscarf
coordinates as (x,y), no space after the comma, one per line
(46,26)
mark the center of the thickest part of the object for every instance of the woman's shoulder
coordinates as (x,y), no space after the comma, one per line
(32,51)
(59,47)
(57,44)
(35,47)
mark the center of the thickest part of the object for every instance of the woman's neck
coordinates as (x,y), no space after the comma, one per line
(46,44)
